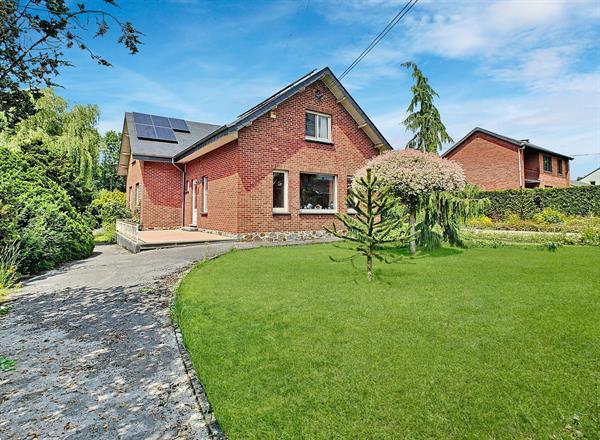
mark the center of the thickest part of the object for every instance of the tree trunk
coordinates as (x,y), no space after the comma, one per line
(413,238)
(369,268)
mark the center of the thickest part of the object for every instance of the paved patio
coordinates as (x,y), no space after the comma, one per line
(177,236)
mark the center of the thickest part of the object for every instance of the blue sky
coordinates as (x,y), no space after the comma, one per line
(526,69)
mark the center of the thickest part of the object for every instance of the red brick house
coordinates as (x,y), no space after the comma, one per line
(280,170)
(492,161)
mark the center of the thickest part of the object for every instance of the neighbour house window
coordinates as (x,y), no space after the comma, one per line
(559,168)
(280,191)
(317,192)
(548,164)
(129,201)
(205,194)
(318,127)
(187,186)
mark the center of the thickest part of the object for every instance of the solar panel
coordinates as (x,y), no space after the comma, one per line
(161,121)
(158,128)
(142,118)
(179,125)
(165,134)
(145,131)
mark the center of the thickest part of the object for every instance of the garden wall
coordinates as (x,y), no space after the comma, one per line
(574,200)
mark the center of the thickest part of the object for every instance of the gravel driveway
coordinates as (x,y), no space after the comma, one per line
(96,354)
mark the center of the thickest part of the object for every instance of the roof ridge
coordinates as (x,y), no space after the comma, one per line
(274,95)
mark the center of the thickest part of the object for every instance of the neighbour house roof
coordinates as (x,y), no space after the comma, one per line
(205,137)
(589,174)
(516,142)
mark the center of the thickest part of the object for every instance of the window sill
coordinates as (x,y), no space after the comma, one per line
(547,172)
(320,141)
(351,211)
(276,212)
(318,211)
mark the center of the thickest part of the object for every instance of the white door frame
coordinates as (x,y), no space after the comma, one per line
(194,203)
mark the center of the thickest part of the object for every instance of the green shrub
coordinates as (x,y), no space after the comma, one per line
(39,214)
(591,236)
(549,215)
(572,201)
(10,258)
(481,221)
(109,206)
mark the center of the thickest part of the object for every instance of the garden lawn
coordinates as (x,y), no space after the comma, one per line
(481,343)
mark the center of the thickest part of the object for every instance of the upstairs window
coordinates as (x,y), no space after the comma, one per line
(559,168)
(547,164)
(318,193)
(280,191)
(318,127)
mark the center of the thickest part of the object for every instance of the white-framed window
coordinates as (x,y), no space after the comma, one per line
(318,127)
(138,195)
(280,191)
(318,193)
(205,194)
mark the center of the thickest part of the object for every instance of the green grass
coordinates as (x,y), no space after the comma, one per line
(482,343)
(106,235)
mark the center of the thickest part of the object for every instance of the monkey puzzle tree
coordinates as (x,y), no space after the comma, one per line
(423,118)
(372,224)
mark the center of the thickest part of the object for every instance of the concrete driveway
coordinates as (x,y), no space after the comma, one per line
(96,354)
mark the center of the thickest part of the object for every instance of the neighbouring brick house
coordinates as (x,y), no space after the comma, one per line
(492,161)
(280,169)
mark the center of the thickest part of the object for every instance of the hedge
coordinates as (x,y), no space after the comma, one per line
(574,200)
(38,214)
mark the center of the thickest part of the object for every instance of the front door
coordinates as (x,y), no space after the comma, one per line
(194,203)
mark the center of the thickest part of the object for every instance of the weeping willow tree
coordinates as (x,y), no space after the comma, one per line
(424,120)
(66,130)
(371,225)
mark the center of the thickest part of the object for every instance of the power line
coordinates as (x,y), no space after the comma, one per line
(399,16)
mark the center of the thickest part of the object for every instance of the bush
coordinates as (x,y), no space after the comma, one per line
(10,257)
(481,222)
(38,214)
(549,215)
(109,206)
(572,201)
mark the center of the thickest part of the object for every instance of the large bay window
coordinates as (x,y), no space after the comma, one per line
(318,193)
(280,192)
(318,127)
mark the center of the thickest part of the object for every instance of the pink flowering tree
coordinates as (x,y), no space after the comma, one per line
(428,186)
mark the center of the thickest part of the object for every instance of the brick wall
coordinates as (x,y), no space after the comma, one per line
(553,179)
(278,144)
(221,168)
(488,162)
(134,176)
(161,204)
(240,186)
